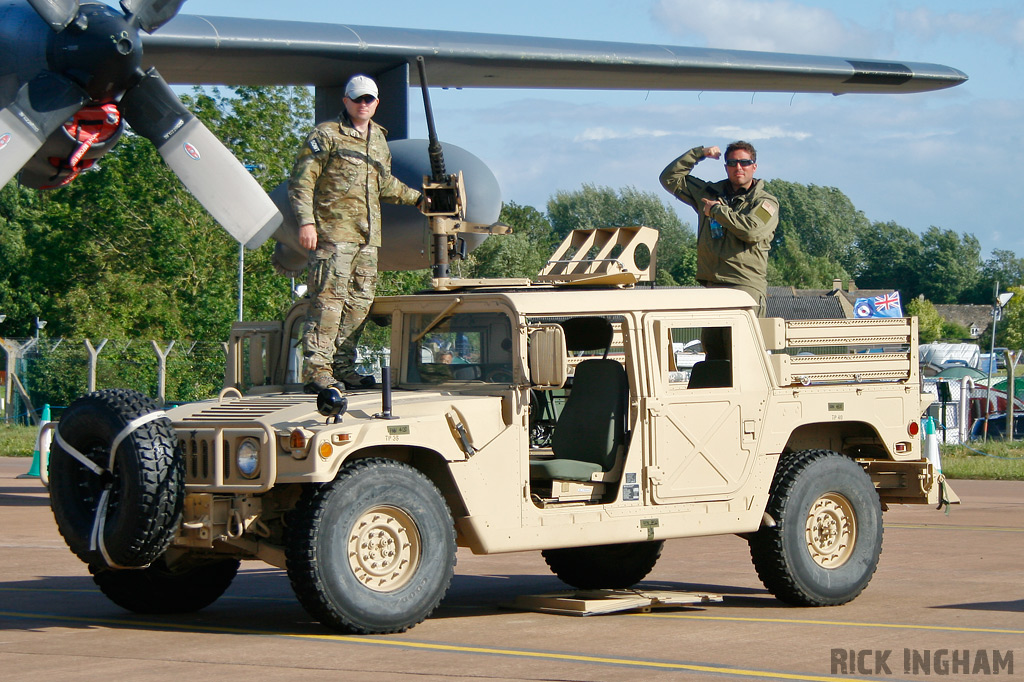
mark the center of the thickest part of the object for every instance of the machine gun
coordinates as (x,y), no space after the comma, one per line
(445,206)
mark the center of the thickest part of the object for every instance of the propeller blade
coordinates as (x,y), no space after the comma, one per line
(149,15)
(203,164)
(41,106)
(57,13)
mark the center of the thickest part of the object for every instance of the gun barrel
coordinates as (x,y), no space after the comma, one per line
(437,169)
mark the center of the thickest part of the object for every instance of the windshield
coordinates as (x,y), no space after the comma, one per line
(460,347)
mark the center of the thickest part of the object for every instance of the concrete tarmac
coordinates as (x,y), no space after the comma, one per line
(947,602)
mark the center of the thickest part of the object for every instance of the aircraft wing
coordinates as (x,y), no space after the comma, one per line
(235,51)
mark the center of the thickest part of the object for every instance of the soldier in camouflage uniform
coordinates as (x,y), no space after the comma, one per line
(341,175)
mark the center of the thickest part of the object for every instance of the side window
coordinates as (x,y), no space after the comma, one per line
(700,357)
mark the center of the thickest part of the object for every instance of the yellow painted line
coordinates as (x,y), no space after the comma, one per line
(798,621)
(936,526)
(452,648)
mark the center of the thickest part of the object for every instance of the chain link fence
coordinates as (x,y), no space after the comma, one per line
(54,372)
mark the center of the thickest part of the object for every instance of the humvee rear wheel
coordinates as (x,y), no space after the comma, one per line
(159,588)
(372,551)
(824,547)
(609,567)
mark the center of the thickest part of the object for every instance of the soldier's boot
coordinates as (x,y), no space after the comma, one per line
(320,381)
(354,380)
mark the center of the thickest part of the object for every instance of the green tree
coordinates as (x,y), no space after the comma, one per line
(929,322)
(677,257)
(954,330)
(125,251)
(1003,268)
(1010,329)
(593,206)
(790,266)
(520,254)
(952,265)
(891,258)
(822,221)
(20,294)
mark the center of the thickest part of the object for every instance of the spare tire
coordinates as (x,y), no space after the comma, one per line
(120,509)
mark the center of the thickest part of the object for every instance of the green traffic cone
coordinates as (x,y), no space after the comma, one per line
(33,471)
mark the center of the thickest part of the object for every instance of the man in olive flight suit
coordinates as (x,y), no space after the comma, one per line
(736,218)
(341,175)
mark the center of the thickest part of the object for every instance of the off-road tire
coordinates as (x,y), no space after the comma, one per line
(373,551)
(824,547)
(158,589)
(609,567)
(147,484)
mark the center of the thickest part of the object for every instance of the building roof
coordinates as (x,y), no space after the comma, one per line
(790,303)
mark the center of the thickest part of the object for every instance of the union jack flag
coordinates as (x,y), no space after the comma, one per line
(886,305)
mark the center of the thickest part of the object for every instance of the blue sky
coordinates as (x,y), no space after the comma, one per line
(919,160)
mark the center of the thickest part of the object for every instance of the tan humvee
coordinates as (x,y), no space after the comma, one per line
(589,423)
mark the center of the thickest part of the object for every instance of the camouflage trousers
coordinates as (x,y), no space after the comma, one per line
(341,282)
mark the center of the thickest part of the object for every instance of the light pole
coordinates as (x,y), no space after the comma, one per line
(39,325)
(997,313)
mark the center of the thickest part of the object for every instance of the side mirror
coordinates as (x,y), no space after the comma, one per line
(547,355)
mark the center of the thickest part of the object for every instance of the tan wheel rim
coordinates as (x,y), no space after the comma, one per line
(831,530)
(384,548)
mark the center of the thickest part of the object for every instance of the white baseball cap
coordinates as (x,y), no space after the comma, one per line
(360,85)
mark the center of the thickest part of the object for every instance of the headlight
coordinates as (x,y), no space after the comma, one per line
(248,458)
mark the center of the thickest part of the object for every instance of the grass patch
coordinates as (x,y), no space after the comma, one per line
(17,441)
(998,460)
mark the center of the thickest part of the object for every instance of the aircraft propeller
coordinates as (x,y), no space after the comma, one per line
(92,85)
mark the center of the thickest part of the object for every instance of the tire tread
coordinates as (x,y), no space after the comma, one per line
(767,545)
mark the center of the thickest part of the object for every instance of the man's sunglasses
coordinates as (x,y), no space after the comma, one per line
(732,163)
(364,99)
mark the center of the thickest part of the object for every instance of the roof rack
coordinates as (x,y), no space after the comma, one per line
(609,256)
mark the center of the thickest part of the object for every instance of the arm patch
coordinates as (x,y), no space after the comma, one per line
(314,145)
(765,211)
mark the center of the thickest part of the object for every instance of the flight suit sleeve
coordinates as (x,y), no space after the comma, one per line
(307,169)
(677,180)
(751,224)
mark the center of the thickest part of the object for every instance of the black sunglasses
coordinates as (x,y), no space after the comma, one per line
(732,163)
(364,99)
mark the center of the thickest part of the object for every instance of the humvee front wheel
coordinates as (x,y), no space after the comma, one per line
(608,567)
(372,551)
(824,547)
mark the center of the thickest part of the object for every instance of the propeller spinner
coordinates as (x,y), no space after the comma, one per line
(85,72)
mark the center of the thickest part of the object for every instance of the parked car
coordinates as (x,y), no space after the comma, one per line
(997,426)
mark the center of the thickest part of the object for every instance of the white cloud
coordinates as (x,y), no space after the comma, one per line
(767,25)
(601,134)
(999,25)
(761,133)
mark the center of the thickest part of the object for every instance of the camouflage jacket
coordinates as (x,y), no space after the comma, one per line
(339,180)
(740,255)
